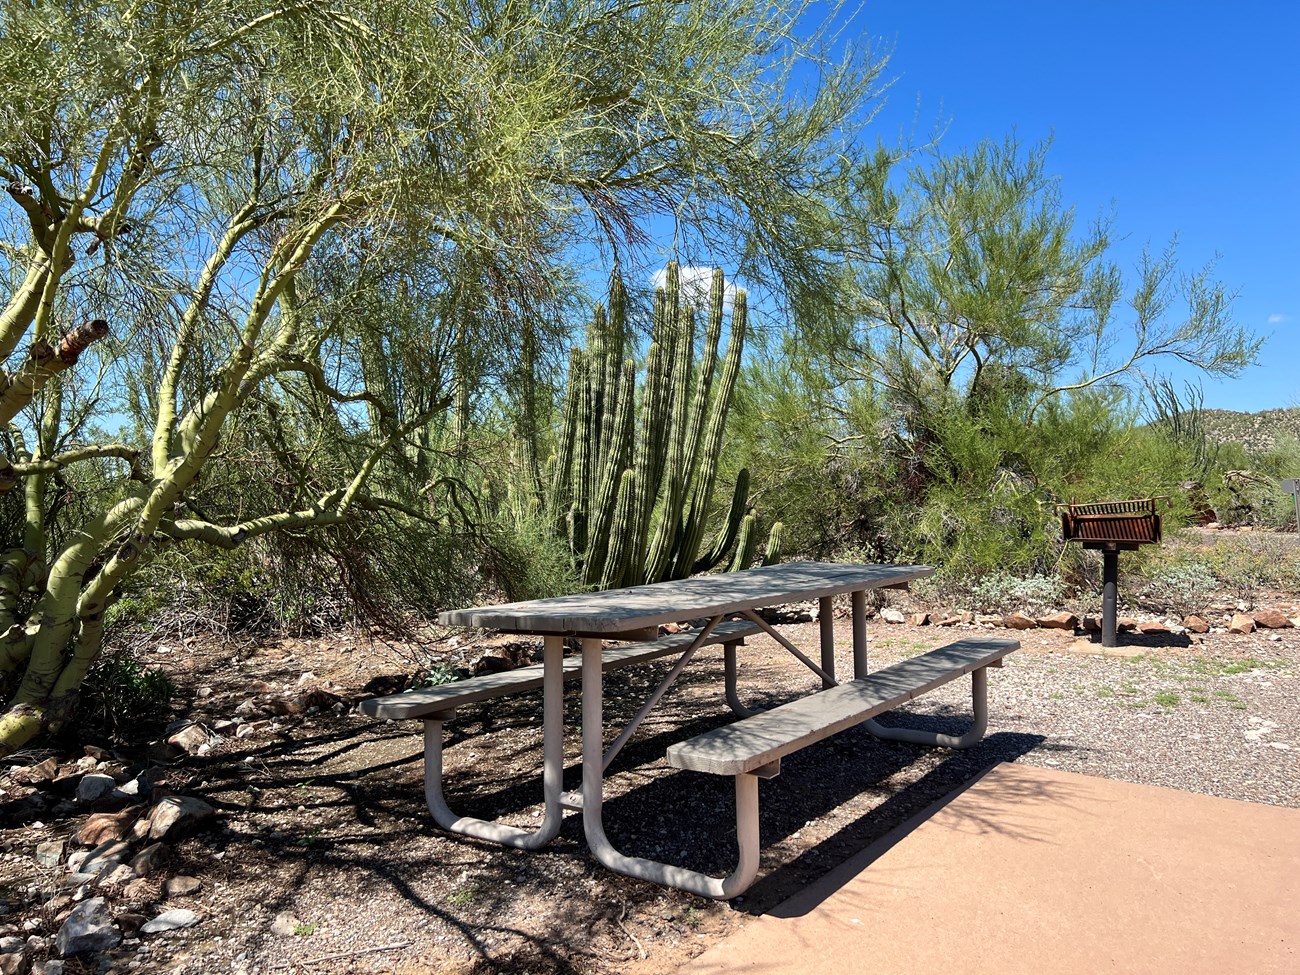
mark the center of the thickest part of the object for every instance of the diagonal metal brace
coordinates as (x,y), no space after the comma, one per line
(658,693)
(827,679)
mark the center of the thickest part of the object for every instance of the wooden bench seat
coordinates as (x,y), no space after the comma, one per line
(424,702)
(756,743)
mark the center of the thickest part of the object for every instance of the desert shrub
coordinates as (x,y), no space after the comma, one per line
(998,593)
(1245,564)
(123,698)
(814,452)
(519,558)
(995,592)
(1181,588)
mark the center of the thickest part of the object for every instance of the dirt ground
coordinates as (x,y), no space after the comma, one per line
(321,820)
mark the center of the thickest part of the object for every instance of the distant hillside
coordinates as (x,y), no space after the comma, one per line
(1257,432)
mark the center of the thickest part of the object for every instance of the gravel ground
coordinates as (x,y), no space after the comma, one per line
(323,818)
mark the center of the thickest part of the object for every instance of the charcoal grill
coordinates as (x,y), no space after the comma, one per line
(1111,527)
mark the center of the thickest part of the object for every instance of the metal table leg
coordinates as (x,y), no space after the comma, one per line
(729,668)
(552,766)
(593,782)
(826,621)
(859,634)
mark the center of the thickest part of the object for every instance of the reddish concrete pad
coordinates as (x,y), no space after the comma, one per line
(1036,871)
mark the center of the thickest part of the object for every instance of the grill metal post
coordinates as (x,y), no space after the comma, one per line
(1109,597)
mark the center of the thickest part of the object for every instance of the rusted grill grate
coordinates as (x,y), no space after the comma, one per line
(1105,524)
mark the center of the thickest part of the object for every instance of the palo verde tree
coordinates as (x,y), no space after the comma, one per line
(206,199)
(993,336)
(971,280)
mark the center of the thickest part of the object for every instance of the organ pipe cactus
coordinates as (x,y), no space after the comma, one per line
(633,477)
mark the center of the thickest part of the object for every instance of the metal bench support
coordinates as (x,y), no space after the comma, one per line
(979,696)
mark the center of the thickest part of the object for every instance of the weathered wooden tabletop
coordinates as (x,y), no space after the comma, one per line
(618,610)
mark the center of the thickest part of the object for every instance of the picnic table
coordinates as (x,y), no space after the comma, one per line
(749,749)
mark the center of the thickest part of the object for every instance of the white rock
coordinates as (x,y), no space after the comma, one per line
(49,853)
(285,925)
(119,876)
(171,921)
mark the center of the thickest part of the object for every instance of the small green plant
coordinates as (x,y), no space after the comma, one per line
(1228,697)
(311,839)
(692,918)
(444,673)
(464,896)
(303,930)
(1168,699)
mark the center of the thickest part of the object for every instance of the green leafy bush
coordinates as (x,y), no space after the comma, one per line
(121,696)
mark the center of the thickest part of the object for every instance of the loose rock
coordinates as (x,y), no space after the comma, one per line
(191,739)
(891,614)
(105,856)
(1241,623)
(285,925)
(1019,621)
(100,827)
(49,853)
(1273,619)
(1059,621)
(41,772)
(119,876)
(1196,624)
(15,956)
(177,816)
(88,928)
(150,859)
(94,786)
(182,887)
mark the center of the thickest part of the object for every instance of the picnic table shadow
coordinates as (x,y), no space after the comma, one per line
(650,809)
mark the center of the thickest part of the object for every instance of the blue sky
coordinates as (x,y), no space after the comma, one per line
(1180,118)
